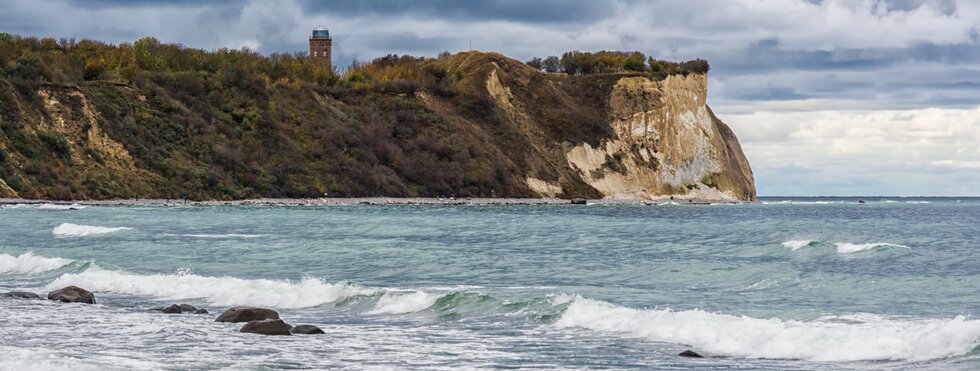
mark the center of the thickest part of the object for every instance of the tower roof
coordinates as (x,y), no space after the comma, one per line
(320,32)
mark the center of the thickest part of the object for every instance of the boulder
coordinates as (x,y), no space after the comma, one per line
(20,295)
(690,354)
(579,201)
(72,294)
(247,314)
(173,309)
(187,308)
(267,327)
(201,311)
(306,330)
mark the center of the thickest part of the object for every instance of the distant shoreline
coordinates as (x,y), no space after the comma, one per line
(325,201)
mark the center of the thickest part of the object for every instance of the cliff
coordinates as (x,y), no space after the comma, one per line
(491,126)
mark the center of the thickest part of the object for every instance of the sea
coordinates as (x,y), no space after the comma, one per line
(784,283)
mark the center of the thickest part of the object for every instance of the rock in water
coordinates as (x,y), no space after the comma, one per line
(690,354)
(72,294)
(247,314)
(187,308)
(20,295)
(267,327)
(201,311)
(173,309)
(579,201)
(306,330)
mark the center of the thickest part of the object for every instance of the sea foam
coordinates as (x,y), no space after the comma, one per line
(76,230)
(848,248)
(222,291)
(402,303)
(30,263)
(867,337)
(798,244)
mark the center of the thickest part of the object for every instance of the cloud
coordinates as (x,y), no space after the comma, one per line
(891,152)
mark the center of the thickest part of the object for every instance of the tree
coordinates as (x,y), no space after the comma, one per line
(535,63)
(635,62)
(144,54)
(551,64)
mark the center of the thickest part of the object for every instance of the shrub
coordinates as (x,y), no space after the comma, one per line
(535,63)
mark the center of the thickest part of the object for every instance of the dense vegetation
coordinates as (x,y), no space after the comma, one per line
(584,63)
(234,124)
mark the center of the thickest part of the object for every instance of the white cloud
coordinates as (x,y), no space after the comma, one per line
(895,152)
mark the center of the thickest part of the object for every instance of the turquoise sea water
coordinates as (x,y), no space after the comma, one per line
(782,284)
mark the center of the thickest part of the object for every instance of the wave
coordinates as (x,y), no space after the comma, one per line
(30,263)
(798,244)
(860,338)
(848,248)
(45,206)
(216,235)
(220,291)
(402,303)
(76,230)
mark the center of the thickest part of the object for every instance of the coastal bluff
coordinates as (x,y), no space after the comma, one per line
(471,124)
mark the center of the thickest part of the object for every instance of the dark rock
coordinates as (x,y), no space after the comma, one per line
(247,314)
(72,294)
(201,311)
(173,309)
(267,327)
(187,308)
(20,295)
(579,201)
(306,330)
(690,354)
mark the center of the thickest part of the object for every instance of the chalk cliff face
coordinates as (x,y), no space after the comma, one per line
(653,138)
(504,130)
(666,142)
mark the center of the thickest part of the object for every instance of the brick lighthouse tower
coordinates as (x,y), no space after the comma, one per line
(320,45)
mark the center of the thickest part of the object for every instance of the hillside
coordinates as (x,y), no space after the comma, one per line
(95,121)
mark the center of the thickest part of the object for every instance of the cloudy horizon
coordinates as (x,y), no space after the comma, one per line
(867,97)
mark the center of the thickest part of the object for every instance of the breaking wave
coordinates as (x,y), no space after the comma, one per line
(848,248)
(30,263)
(221,291)
(402,303)
(798,244)
(76,230)
(849,338)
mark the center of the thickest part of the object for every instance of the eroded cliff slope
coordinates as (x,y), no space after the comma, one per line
(499,128)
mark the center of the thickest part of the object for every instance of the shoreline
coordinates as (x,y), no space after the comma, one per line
(376,201)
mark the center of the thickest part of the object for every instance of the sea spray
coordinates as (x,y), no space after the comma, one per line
(854,338)
(76,230)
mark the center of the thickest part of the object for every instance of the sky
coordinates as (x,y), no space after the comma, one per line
(835,98)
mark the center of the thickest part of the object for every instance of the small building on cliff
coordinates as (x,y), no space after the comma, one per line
(320,46)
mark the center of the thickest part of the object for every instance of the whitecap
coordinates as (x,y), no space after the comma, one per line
(848,248)
(60,207)
(76,230)
(798,244)
(30,263)
(826,339)
(402,303)
(222,291)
